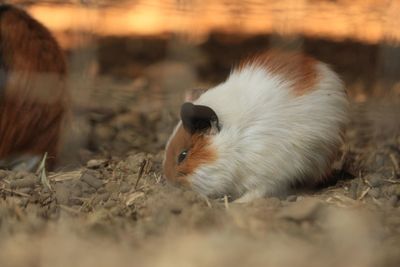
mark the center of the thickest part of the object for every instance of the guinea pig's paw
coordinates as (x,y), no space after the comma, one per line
(251,195)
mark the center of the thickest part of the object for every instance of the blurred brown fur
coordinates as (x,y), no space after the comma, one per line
(33,98)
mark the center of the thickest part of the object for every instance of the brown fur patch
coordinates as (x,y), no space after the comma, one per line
(199,153)
(296,67)
(33,98)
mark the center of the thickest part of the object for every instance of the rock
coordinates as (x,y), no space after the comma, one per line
(76,201)
(26,190)
(95,163)
(375,179)
(103,197)
(124,188)
(29,181)
(110,203)
(23,174)
(112,186)
(62,194)
(91,179)
(291,198)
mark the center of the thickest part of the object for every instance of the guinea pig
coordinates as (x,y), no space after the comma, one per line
(33,96)
(277,120)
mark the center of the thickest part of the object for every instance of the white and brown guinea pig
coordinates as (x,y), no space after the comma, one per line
(33,97)
(277,120)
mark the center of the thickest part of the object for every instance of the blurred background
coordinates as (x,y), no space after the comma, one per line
(130,62)
(130,65)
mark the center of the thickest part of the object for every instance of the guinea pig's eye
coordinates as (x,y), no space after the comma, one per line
(182,156)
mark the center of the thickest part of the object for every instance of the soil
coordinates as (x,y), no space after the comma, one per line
(107,204)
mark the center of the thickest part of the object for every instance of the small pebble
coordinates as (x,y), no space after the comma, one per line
(375,180)
(124,188)
(76,190)
(103,197)
(25,190)
(88,191)
(29,181)
(23,174)
(102,190)
(118,210)
(61,194)
(112,186)
(95,163)
(110,203)
(91,180)
(76,201)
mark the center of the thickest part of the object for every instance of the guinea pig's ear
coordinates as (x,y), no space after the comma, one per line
(198,118)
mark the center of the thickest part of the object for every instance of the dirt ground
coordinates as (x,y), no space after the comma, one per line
(107,204)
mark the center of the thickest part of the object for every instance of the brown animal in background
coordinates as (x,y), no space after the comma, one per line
(33,96)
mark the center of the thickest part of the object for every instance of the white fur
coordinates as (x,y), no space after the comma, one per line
(270,137)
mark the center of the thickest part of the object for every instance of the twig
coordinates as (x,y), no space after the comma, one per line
(14,192)
(60,177)
(366,182)
(395,163)
(41,171)
(364,193)
(377,201)
(392,181)
(140,173)
(158,178)
(226,202)
(208,202)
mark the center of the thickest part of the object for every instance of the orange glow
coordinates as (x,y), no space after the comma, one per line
(368,21)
